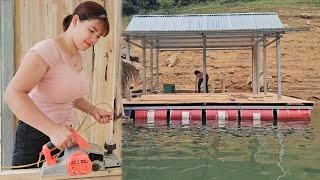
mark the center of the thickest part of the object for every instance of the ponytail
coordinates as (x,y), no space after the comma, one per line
(67,22)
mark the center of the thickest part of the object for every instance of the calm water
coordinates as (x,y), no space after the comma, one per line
(291,151)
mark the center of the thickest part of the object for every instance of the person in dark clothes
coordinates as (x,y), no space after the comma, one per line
(199,81)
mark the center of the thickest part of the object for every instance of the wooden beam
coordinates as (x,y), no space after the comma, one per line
(34,174)
(6,69)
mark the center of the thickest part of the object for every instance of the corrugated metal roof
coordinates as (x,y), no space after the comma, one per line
(205,22)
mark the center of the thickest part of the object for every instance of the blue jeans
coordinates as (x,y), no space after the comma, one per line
(28,144)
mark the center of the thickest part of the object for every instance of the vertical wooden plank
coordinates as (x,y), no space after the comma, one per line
(17,43)
(7,67)
(104,90)
(17,33)
(117,5)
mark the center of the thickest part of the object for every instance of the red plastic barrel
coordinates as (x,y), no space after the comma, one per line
(158,117)
(256,117)
(161,117)
(263,115)
(140,116)
(186,116)
(175,115)
(221,117)
(294,115)
(196,115)
(212,114)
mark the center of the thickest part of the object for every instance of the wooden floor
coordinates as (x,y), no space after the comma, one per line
(215,98)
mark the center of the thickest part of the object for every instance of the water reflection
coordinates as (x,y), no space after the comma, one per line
(285,151)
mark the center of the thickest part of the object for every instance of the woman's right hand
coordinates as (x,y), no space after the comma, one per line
(62,137)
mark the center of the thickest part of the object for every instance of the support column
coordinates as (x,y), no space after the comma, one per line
(127,49)
(265,66)
(144,89)
(204,62)
(278,57)
(127,88)
(253,68)
(157,67)
(257,74)
(151,67)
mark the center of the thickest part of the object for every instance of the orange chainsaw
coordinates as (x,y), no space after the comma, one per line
(79,160)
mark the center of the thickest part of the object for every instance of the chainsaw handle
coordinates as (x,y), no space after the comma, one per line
(46,150)
(49,146)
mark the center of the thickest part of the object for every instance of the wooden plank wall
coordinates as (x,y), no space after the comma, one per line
(37,20)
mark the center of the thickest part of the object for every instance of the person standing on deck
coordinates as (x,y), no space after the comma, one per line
(50,82)
(199,82)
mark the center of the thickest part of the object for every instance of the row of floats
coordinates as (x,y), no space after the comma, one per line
(219,117)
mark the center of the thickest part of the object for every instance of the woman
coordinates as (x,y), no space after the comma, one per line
(199,81)
(50,82)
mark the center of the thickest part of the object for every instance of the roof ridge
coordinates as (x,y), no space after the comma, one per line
(224,14)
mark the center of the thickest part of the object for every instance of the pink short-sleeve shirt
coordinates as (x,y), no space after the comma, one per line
(56,91)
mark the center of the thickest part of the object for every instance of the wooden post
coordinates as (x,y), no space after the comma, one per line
(127,88)
(278,57)
(265,66)
(223,85)
(204,62)
(157,67)
(127,49)
(144,88)
(7,68)
(151,67)
(253,68)
(257,74)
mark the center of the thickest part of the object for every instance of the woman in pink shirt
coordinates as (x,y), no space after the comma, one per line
(50,82)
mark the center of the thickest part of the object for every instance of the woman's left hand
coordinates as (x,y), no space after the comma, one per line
(101,116)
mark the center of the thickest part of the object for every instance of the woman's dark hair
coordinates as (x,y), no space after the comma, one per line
(86,11)
(196,72)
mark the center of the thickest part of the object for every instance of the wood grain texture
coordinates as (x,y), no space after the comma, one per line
(34,174)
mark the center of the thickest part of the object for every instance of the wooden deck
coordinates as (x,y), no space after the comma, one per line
(216,98)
